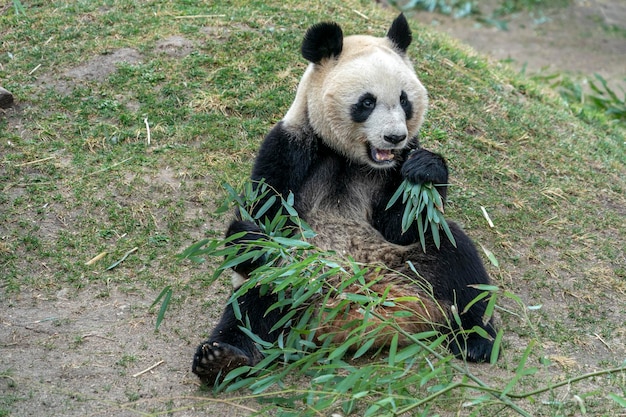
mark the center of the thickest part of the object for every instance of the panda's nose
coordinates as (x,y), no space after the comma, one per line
(395,139)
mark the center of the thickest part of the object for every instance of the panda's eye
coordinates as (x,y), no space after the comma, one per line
(406,105)
(404,100)
(363,108)
(368,103)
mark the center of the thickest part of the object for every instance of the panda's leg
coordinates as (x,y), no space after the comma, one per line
(452,272)
(251,233)
(407,306)
(228,347)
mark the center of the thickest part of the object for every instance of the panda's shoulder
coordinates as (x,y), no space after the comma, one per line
(284,137)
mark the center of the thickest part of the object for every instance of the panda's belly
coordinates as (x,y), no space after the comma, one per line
(338,207)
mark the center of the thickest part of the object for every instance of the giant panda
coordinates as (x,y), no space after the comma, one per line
(343,148)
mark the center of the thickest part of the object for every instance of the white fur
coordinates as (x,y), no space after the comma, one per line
(237,280)
(328,90)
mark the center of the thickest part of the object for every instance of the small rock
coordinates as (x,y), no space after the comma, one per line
(6,98)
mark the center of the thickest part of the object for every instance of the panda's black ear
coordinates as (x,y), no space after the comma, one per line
(322,40)
(400,33)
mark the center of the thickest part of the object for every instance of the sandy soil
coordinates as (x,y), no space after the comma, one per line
(588,37)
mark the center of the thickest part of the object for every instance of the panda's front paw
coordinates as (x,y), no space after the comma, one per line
(214,360)
(424,166)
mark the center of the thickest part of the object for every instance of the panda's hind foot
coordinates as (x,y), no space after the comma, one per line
(214,360)
(475,348)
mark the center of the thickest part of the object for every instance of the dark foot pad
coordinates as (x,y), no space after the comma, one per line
(214,360)
(475,348)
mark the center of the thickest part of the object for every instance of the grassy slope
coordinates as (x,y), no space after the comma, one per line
(78,177)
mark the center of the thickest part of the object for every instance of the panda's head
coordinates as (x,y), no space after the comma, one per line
(360,94)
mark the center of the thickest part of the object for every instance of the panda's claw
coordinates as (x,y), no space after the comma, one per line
(214,360)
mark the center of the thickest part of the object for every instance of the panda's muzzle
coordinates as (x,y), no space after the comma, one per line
(394,139)
(381,155)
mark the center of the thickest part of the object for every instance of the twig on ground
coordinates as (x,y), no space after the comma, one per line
(96,258)
(36,161)
(148,369)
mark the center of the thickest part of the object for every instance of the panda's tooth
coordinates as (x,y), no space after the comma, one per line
(383,155)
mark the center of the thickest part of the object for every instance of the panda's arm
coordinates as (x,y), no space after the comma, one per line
(421,166)
(284,160)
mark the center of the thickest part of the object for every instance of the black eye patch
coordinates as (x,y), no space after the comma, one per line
(406,104)
(362,109)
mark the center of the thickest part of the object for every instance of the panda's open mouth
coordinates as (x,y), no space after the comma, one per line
(381,156)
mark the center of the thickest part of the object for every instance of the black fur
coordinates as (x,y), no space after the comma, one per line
(362,109)
(400,33)
(406,104)
(323,40)
(228,347)
(424,167)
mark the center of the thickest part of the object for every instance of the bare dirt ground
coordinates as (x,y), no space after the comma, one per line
(75,354)
(586,38)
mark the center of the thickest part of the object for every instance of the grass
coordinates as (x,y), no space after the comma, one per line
(79,178)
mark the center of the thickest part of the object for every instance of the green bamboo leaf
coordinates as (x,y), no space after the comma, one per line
(373,410)
(407,219)
(401,189)
(288,242)
(338,352)
(360,394)
(263,384)
(437,198)
(393,348)
(430,211)
(289,207)
(447,231)
(435,232)
(432,374)
(512,296)
(365,347)
(239,259)
(265,207)
(166,293)
(420,232)
(492,258)
(476,299)
(481,332)
(408,352)
(236,309)
(491,305)
(621,401)
(455,315)
(425,194)
(520,371)
(237,372)
(349,381)
(193,249)
(122,259)
(406,197)
(322,379)
(234,386)
(495,350)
